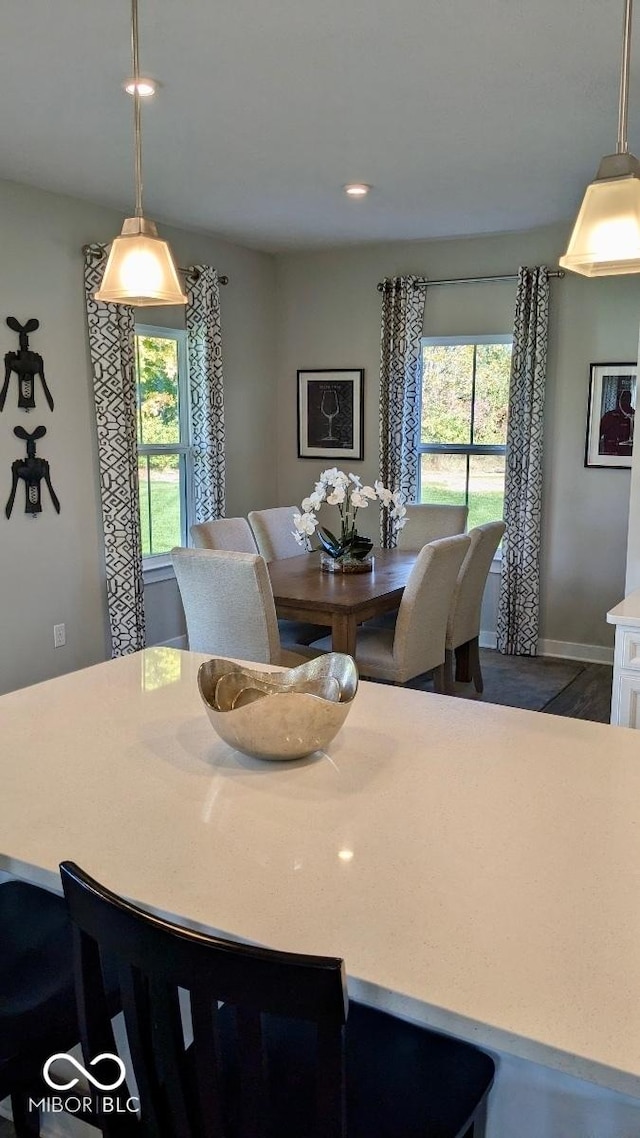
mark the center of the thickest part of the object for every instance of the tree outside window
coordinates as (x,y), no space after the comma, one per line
(463,423)
(163,439)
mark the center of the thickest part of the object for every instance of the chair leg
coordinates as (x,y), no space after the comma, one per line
(463,673)
(448,672)
(474,664)
(26,1123)
(439,680)
(478,1127)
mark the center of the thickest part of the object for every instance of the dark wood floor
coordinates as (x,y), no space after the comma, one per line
(588,696)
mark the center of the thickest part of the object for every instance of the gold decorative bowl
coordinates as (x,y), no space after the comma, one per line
(279,715)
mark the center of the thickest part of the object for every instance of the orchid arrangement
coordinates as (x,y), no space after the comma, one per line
(347,493)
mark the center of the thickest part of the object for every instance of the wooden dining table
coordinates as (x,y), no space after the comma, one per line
(303,591)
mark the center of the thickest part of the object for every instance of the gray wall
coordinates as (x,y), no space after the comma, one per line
(294,311)
(329,316)
(51,569)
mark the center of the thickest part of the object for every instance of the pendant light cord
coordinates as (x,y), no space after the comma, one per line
(137,126)
(623,105)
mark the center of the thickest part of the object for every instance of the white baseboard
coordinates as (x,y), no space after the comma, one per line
(566,650)
(562,649)
(488,640)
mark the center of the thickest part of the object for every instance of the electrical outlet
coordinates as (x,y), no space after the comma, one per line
(59,636)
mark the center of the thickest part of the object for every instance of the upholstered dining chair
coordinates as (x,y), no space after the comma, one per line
(273,531)
(429,523)
(463,626)
(224,533)
(235,534)
(416,643)
(228,605)
(278,1048)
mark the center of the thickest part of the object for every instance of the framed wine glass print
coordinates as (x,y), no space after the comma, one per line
(612,411)
(331,413)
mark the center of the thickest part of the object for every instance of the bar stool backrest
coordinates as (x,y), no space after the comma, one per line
(233,989)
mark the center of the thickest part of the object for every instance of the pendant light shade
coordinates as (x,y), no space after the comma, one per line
(140,268)
(606,236)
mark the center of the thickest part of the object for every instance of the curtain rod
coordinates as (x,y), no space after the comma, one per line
(222,280)
(95,247)
(559,273)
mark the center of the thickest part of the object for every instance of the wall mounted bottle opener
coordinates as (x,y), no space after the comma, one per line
(27,365)
(32,471)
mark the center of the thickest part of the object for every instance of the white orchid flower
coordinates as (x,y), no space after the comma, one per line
(346,491)
(329,476)
(383,494)
(337,497)
(359,500)
(305,523)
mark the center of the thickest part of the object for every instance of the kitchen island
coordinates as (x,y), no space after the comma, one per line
(478,867)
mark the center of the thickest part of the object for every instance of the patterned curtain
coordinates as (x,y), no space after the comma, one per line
(111,343)
(204,348)
(403,307)
(518,609)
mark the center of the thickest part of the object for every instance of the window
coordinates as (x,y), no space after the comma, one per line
(164,463)
(463,423)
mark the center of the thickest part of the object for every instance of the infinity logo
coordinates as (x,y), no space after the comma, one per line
(83,1071)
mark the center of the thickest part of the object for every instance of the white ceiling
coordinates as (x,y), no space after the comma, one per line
(467,116)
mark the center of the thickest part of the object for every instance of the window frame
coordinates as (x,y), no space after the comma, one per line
(468,449)
(157,566)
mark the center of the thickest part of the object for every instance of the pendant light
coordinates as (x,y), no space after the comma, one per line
(606,236)
(140,268)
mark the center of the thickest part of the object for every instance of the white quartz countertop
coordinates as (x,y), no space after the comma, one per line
(627,612)
(477,867)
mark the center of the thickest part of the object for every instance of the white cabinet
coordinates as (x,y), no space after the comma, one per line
(625,697)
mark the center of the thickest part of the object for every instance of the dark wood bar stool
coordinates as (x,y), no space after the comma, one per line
(37,998)
(277,1050)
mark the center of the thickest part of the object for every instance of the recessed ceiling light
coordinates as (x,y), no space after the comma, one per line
(357,189)
(146,87)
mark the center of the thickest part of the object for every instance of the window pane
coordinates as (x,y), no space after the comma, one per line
(443,478)
(447,376)
(160,503)
(157,390)
(493,367)
(143,485)
(486,488)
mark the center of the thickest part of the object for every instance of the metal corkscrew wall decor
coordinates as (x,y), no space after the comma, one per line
(32,471)
(26,365)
